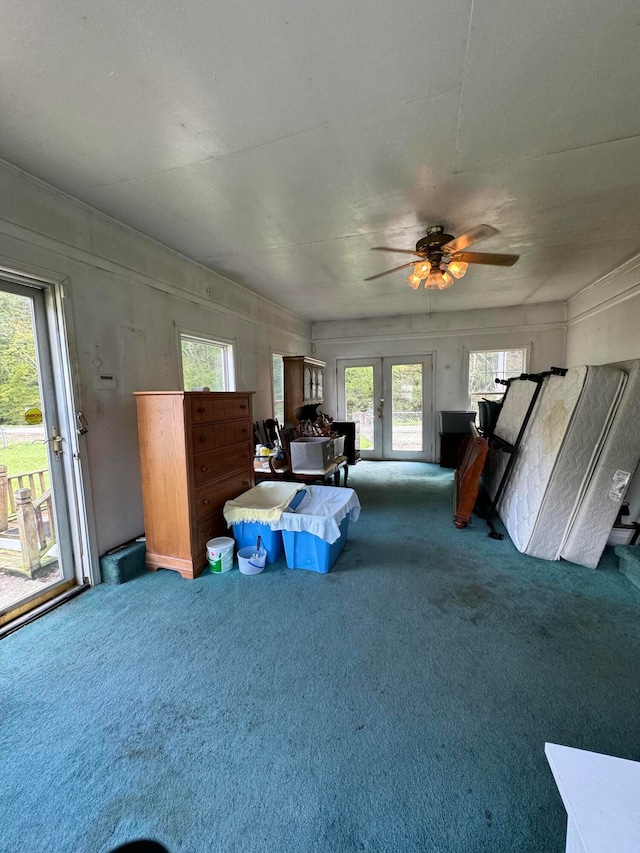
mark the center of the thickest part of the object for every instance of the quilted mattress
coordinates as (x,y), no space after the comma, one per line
(510,419)
(557,455)
(591,525)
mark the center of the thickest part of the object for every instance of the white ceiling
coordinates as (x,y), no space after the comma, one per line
(276,143)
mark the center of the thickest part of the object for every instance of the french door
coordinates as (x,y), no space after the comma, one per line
(391,399)
(36,558)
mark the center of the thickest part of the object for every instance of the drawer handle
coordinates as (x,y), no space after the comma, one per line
(243,407)
(204,468)
(203,438)
(206,501)
(201,410)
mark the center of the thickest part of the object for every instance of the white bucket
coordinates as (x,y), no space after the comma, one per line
(220,554)
(250,561)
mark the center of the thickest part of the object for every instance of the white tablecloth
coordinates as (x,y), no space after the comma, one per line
(321,511)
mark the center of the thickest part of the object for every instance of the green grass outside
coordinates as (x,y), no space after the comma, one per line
(22,458)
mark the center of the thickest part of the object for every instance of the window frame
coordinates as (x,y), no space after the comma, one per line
(226,344)
(500,389)
(280,355)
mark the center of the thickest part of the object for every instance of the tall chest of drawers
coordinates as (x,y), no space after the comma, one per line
(196,453)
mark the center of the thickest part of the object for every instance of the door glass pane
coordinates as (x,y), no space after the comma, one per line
(406,401)
(28,546)
(358,387)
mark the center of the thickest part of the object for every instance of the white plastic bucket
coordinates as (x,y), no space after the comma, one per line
(250,561)
(220,554)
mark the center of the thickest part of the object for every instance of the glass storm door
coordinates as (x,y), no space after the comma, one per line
(36,561)
(391,400)
(359,400)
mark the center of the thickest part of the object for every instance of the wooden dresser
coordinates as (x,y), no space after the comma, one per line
(196,453)
(303,383)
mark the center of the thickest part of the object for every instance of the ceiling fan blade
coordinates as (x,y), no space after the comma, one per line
(401,251)
(395,269)
(464,240)
(486,258)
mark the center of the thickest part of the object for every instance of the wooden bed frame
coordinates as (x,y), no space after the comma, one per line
(473,454)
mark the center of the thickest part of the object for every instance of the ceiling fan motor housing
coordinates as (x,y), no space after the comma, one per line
(434,240)
(431,245)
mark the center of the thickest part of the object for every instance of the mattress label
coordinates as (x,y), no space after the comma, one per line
(619,486)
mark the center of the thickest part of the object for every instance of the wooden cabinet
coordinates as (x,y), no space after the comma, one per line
(303,383)
(196,453)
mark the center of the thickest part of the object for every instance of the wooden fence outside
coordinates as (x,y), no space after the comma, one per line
(26,499)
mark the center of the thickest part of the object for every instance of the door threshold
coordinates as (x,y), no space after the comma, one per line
(41,609)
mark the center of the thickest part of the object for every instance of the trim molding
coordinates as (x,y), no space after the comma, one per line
(449,333)
(616,299)
(624,269)
(65,250)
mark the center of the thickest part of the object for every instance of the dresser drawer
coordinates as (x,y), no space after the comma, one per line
(217,464)
(213,436)
(209,528)
(214,495)
(201,409)
(227,408)
(219,407)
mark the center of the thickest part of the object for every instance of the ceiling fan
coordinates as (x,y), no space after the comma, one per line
(441,257)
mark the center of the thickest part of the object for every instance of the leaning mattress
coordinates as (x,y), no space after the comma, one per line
(557,455)
(592,523)
(510,419)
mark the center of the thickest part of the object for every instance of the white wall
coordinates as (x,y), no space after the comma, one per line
(449,336)
(604,318)
(604,328)
(127,296)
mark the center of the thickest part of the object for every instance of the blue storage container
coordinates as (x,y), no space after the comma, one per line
(246,533)
(306,551)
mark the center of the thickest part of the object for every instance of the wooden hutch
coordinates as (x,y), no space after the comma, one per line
(303,383)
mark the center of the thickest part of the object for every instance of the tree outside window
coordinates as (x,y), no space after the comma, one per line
(277,371)
(206,364)
(485,366)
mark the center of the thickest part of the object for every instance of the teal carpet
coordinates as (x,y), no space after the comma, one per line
(399,703)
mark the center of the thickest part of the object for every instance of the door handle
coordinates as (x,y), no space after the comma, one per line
(56,440)
(380,408)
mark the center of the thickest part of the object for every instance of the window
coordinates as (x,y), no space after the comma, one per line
(277,373)
(206,364)
(487,365)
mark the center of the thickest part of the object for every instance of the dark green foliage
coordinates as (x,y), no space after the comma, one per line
(19,386)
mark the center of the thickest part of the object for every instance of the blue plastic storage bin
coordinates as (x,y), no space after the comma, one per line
(246,533)
(306,551)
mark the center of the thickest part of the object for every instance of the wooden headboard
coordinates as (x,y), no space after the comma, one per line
(473,454)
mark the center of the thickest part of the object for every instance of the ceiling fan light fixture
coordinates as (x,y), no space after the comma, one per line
(443,258)
(458,268)
(447,280)
(435,280)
